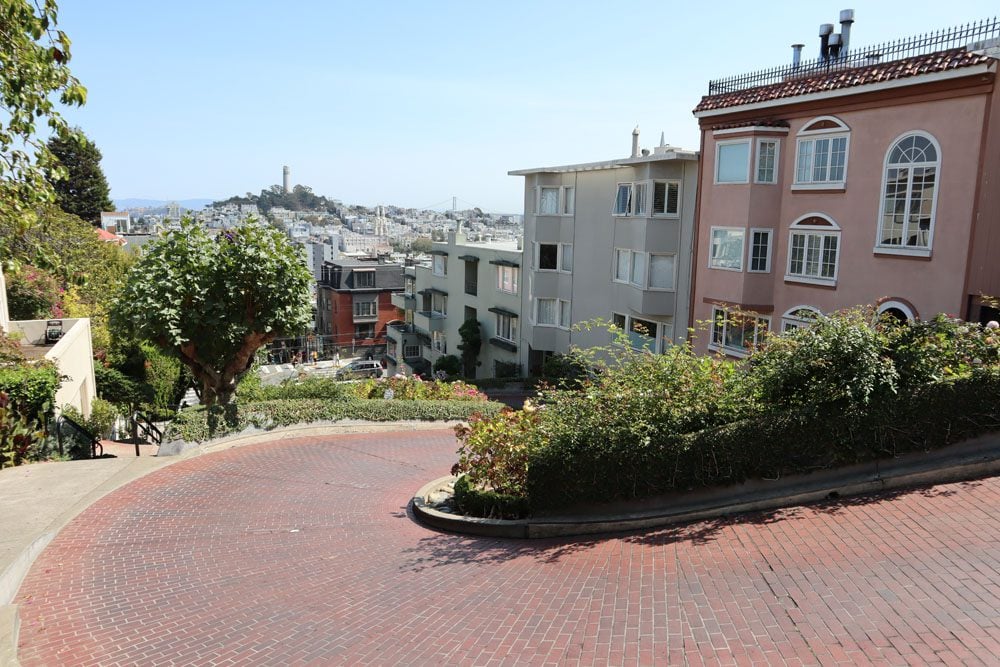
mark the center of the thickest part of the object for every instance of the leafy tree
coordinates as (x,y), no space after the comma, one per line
(421,244)
(84,191)
(448,364)
(212,303)
(35,56)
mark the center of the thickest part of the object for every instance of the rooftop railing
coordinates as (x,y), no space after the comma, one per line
(973,36)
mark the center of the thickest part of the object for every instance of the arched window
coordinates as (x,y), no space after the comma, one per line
(898,309)
(821,153)
(799,317)
(813,250)
(909,194)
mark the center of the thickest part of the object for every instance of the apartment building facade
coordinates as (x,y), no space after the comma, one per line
(867,176)
(464,280)
(354,305)
(612,241)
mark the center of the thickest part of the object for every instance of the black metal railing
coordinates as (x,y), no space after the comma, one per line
(71,435)
(146,429)
(971,35)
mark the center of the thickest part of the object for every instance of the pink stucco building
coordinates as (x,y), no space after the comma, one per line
(863,177)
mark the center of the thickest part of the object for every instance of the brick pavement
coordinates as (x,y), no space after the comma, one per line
(301,552)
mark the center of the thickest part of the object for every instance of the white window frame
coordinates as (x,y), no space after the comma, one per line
(666,197)
(560,257)
(628,204)
(440,265)
(508,322)
(411,348)
(823,232)
(758,335)
(898,305)
(711,248)
(659,335)
(559,305)
(912,251)
(649,272)
(568,200)
(770,248)
(366,273)
(439,300)
(614,265)
(640,198)
(757,156)
(538,199)
(811,136)
(514,278)
(718,150)
(791,319)
(368,305)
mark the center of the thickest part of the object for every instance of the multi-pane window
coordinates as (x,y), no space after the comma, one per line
(411,351)
(630,266)
(821,156)
(548,201)
(507,279)
(732,160)
(366,309)
(736,332)
(909,194)
(555,257)
(364,278)
(506,327)
(661,271)
(644,334)
(767,161)
(440,265)
(799,318)
(760,251)
(813,249)
(552,312)
(666,197)
(726,248)
(364,330)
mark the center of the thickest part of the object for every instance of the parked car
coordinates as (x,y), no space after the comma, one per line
(360,368)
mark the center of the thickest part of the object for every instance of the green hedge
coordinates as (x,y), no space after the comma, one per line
(199,425)
(32,389)
(489,504)
(577,469)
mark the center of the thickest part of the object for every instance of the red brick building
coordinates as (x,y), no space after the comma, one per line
(353,302)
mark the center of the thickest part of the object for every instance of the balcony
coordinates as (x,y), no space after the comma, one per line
(405,335)
(404,300)
(429,320)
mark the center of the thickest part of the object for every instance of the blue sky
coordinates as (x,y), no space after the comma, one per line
(411,103)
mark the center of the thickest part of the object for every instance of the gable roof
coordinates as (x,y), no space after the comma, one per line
(835,79)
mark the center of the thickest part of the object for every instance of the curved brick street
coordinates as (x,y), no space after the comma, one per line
(301,552)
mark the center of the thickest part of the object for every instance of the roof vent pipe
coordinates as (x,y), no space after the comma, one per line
(796,54)
(846,19)
(825,30)
(834,46)
(635,142)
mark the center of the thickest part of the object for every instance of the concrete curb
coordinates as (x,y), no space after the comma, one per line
(969,460)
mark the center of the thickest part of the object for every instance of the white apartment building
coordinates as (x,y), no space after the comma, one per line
(463,281)
(609,240)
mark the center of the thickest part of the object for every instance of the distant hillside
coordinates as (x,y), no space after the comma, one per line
(301,198)
(194,204)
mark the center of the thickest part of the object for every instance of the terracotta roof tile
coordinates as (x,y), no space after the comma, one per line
(758,122)
(896,69)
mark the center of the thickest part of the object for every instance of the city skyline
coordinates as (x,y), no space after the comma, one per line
(410,106)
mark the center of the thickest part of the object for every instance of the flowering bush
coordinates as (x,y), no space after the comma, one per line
(938,349)
(405,388)
(33,294)
(495,451)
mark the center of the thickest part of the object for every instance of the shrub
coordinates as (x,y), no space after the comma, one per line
(506,370)
(198,424)
(448,364)
(489,504)
(325,388)
(937,349)
(494,450)
(18,434)
(413,388)
(33,294)
(30,389)
(102,418)
(568,370)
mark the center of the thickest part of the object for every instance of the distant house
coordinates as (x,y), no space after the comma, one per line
(868,176)
(117,222)
(353,304)
(110,237)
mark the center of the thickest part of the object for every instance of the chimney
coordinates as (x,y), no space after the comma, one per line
(834,46)
(825,30)
(796,54)
(846,19)
(635,142)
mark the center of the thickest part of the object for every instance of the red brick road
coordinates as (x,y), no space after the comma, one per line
(301,552)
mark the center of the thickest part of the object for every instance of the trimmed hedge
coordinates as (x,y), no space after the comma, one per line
(572,470)
(31,388)
(488,504)
(198,424)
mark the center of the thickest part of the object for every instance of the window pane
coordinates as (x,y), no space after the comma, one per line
(569,204)
(829,256)
(623,200)
(765,161)
(567,257)
(546,311)
(733,161)
(618,320)
(727,248)
(621,265)
(838,156)
(661,271)
(659,198)
(548,255)
(804,162)
(797,254)
(638,269)
(639,199)
(642,334)
(759,251)
(548,203)
(564,313)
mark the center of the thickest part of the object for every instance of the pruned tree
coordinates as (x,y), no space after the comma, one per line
(213,302)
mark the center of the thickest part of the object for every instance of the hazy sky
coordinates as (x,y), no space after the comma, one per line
(411,103)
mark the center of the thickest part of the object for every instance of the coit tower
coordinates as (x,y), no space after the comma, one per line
(286,175)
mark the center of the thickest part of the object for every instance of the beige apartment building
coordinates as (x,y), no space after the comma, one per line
(465,280)
(608,240)
(867,176)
